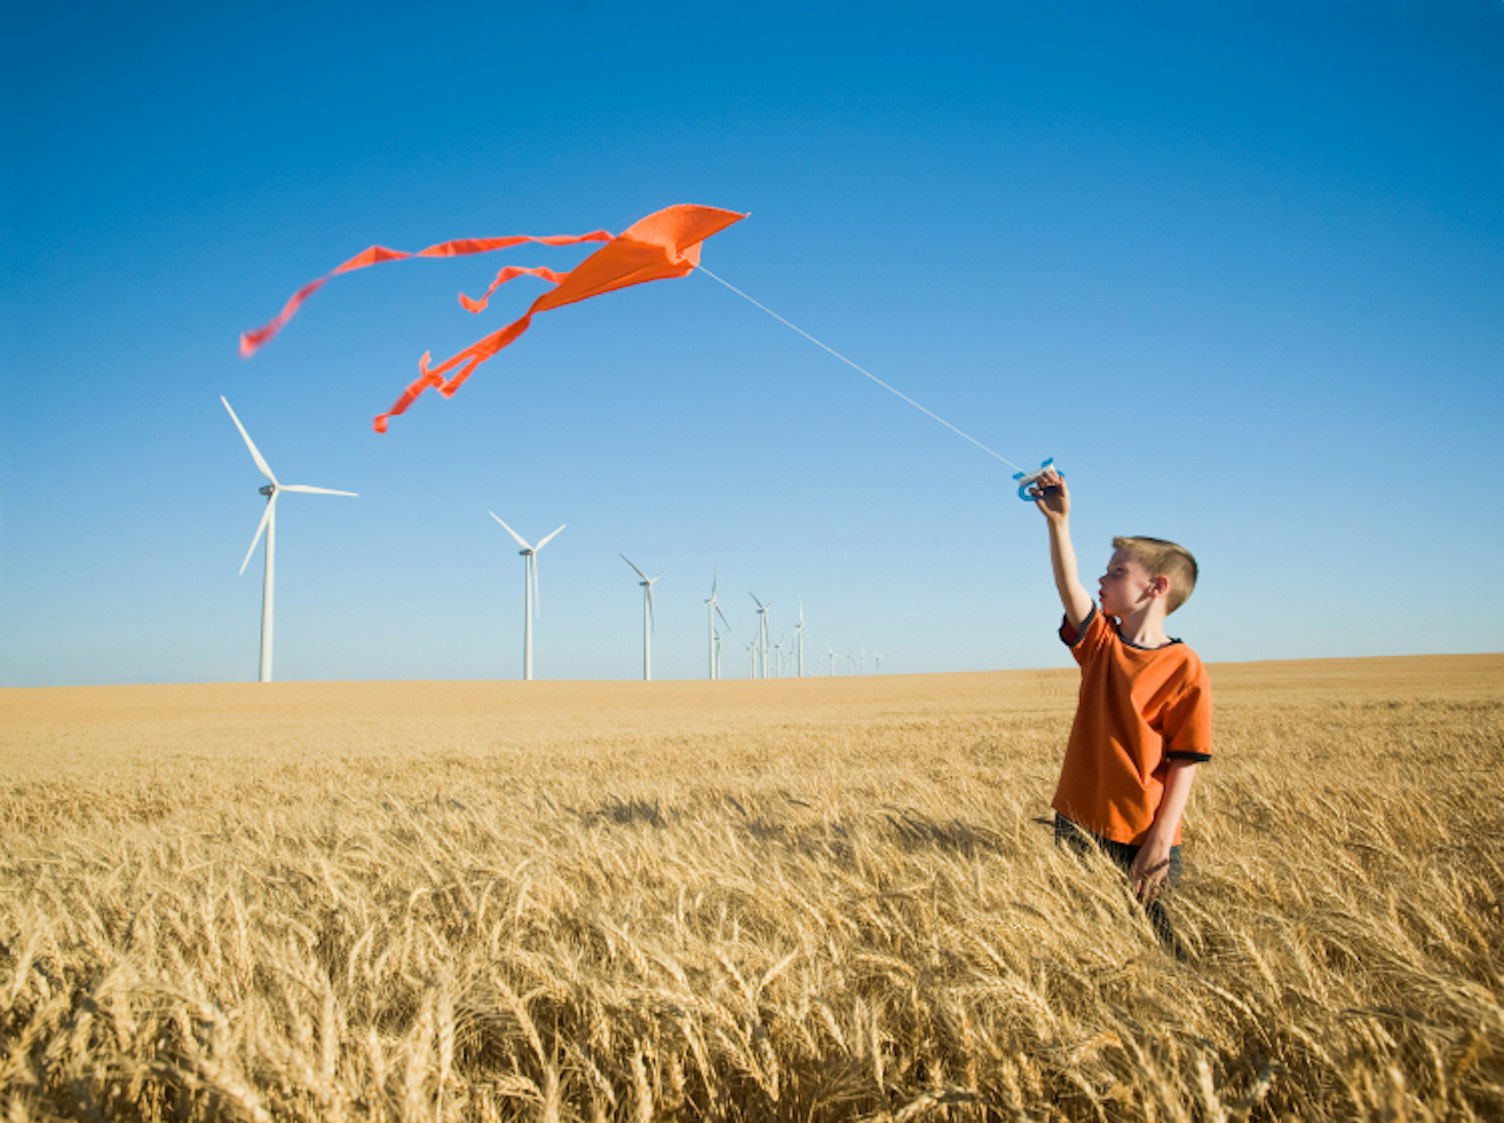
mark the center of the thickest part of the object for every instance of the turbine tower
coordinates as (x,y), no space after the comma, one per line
(268,525)
(712,607)
(762,633)
(530,591)
(647,619)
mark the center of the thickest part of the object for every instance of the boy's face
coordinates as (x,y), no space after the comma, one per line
(1126,586)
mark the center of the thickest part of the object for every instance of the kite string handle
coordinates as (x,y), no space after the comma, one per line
(1026,480)
(859,369)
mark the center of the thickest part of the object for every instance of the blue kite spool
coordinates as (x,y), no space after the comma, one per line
(1028,479)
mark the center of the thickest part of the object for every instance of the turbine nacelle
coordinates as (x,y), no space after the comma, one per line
(527,547)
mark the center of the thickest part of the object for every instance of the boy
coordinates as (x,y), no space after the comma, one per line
(1144,717)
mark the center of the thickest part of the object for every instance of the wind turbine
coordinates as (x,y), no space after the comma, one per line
(778,656)
(712,607)
(268,525)
(762,633)
(530,591)
(832,658)
(879,659)
(751,646)
(799,636)
(647,619)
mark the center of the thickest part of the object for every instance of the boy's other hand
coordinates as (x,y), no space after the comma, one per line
(1051,496)
(1150,868)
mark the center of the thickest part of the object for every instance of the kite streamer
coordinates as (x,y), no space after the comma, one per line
(663,245)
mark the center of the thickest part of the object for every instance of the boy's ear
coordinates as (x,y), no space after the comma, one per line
(1160,585)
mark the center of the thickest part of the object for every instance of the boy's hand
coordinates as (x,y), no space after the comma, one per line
(1051,496)
(1150,868)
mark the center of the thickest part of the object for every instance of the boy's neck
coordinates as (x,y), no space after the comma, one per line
(1144,627)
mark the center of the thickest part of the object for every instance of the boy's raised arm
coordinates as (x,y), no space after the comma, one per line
(1053,499)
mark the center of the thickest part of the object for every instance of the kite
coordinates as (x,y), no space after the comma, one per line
(663,245)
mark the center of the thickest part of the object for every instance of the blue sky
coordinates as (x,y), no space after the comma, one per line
(1237,267)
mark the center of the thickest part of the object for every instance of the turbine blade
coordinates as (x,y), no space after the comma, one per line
(266,517)
(318,490)
(639,572)
(547,538)
(756,601)
(722,615)
(250,444)
(516,537)
(652,620)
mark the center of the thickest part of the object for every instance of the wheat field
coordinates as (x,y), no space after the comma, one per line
(818,899)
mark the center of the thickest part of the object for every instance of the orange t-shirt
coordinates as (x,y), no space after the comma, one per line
(1139,709)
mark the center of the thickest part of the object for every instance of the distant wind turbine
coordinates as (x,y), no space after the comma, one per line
(647,618)
(832,658)
(530,590)
(799,636)
(712,608)
(751,646)
(879,659)
(269,526)
(762,633)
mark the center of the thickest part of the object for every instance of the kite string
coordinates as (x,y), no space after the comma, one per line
(859,368)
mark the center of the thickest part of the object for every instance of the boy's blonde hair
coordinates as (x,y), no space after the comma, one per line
(1162,558)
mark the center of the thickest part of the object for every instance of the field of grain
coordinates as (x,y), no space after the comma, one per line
(823,899)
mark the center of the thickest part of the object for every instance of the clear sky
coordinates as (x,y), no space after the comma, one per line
(1239,267)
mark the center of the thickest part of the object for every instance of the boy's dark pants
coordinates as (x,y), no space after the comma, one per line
(1082,841)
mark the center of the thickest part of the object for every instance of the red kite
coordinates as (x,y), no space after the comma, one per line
(664,244)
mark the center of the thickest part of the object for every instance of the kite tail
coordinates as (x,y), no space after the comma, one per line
(252,341)
(467,360)
(461,246)
(511,272)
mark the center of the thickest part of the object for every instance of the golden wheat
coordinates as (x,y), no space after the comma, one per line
(816,900)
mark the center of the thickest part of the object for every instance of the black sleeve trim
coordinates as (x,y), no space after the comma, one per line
(1065,628)
(1188,756)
